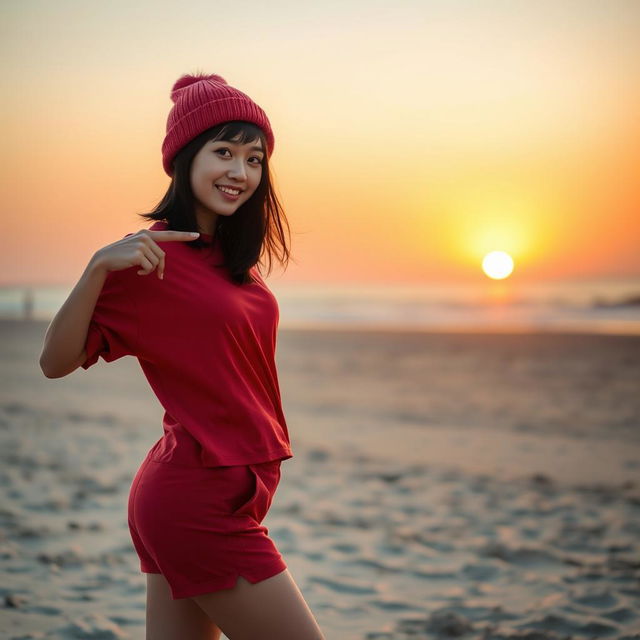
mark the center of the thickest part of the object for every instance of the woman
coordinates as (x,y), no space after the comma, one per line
(204,331)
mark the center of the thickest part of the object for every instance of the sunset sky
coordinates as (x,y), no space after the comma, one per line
(412,138)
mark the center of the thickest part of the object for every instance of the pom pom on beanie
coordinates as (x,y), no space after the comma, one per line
(202,101)
(188,80)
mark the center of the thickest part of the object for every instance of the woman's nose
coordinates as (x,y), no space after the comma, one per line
(238,171)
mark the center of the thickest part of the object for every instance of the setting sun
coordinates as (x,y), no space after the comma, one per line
(497,265)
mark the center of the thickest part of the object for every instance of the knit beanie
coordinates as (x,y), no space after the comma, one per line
(202,101)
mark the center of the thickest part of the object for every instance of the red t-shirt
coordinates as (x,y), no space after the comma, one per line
(207,347)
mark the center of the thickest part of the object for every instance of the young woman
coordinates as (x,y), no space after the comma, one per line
(203,328)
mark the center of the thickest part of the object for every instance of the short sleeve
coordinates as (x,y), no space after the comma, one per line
(113,329)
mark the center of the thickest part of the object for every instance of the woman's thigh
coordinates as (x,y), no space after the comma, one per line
(272,609)
(169,619)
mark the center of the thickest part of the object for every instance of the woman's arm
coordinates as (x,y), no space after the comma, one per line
(64,341)
(66,336)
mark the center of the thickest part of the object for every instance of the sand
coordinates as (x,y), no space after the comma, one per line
(442,485)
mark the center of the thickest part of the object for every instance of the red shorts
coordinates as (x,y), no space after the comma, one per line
(200,526)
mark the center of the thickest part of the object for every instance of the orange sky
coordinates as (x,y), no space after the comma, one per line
(410,141)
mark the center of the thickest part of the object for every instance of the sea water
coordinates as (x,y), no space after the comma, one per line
(601,306)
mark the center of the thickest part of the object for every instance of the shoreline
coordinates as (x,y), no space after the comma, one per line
(440,330)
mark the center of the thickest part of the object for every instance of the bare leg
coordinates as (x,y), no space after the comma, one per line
(272,609)
(169,619)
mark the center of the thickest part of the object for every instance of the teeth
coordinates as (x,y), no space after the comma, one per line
(233,192)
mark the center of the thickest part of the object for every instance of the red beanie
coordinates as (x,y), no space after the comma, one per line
(202,101)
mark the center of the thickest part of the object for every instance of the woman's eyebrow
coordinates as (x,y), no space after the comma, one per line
(238,144)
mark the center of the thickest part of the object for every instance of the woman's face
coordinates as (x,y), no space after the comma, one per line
(224,175)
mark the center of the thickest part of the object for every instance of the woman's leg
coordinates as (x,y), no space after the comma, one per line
(169,619)
(272,609)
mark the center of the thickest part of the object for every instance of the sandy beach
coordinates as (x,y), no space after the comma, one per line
(442,485)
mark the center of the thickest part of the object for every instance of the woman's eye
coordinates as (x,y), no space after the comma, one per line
(223,150)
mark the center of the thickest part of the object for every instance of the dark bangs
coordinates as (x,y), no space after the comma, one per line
(240,132)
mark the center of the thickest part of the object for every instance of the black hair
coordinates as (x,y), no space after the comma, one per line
(257,227)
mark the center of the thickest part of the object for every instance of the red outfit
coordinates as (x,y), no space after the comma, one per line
(207,348)
(200,526)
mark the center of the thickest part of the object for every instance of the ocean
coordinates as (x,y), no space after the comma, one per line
(594,306)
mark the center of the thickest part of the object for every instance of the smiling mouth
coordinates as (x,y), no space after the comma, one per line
(230,190)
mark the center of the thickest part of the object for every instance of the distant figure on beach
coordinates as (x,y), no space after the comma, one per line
(204,331)
(28,304)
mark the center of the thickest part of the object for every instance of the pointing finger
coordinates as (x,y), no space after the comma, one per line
(172,236)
